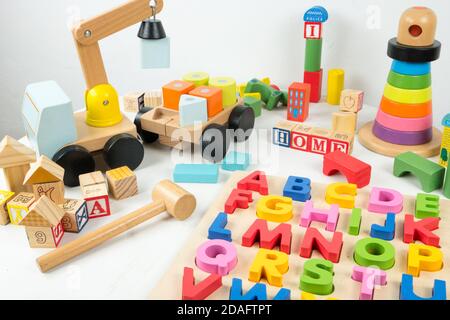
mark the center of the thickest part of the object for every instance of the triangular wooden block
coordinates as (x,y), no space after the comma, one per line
(43,171)
(43,213)
(13,153)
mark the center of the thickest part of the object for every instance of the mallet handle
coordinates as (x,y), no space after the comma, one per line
(97,237)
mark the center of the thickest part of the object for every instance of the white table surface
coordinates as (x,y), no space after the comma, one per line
(129,266)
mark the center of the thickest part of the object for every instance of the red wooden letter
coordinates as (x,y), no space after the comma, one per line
(259,231)
(201,290)
(238,199)
(256,181)
(421,230)
(314,240)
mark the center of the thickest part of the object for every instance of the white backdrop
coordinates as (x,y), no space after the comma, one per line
(239,38)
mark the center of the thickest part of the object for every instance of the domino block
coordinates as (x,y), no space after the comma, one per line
(201,290)
(311,214)
(281,134)
(5,196)
(19,206)
(173,91)
(354,224)
(345,122)
(236,161)
(421,231)
(298,189)
(76,215)
(314,240)
(153,99)
(424,258)
(298,101)
(196,173)
(238,199)
(228,87)
(134,101)
(351,101)
(427,205)
(356,171)
(95,191)
(430,174)
(342,194)
(268,239)
(315,80)
(383,200)
(213,98)
(255,104)
(407,290)
(122,183)
(386,232)
(255,181)
(53,190)
(369,278)
(217,229)
(335,86)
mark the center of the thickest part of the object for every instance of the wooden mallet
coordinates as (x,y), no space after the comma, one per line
(166,195)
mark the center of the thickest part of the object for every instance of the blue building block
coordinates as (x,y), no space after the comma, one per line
(193,110)
(407,289)
(281,137)
(386,232)
(155,54)
(196,173)
(298,189)
(236,161)
(257,292)
(411,69)
(217,229)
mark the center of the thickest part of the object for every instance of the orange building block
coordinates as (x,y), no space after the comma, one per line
(213,96)
(173,91)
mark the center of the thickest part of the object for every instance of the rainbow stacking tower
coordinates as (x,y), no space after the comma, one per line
(405,119)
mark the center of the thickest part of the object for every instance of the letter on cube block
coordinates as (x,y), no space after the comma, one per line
(352,100)
(173,91)
(95,192)
(122,183)
(193,110)
(76,215)
(5,196)
(19,206)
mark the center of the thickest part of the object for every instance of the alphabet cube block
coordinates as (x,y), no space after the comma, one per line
(53,190)
(281,134)
(19,206)
(173,91)
(5,196)
(45,237)
(352,100)
(193,110)
(122,183)
(313,30)
(76,215)
(134,101)
(95,192)
(320,141)
(213,97)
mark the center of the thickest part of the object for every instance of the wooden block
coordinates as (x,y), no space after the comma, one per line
(213,96)
(14,178)
(315,80)
(43,213)
(193,110)
(174,144)
(201,290)
(235,161)
(228,87)
(407,290)
(134,101)
(313,30)
(95,191)
(417,27)
(445,146)
(5,196)
(335,86)
(122,183)
(386,231)
(424,258)
(314,240)
(197,78)
(313,55)
(446,190)
(196,173)
(281,134)
(93,178)
(255,95)
(76,215)
(345,122)
(342,194)
(354,225)
(352,100)
(44,171)
(270,265)
(44,237)
(173,91)
(320,141)
(301,138)
(356,171)
(298,101)
(53,190)
(153,99)
(241,89)
(342,141)
(19,206)
(255,104)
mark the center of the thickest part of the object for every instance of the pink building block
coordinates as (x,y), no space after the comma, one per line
(216,257)
(310,214)
(369,278)
(384,200)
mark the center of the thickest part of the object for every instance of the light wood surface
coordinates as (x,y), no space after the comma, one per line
(92,64)
(170,285)
(373,143)
(14,178)
(43,171)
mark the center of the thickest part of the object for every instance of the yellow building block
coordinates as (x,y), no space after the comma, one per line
(266,80)
(228,86)
(424,258)
(5,196)
(255,95)
(19,207)
(335,86)
(197,78)
(275,208)
(342,194)
(271,265)
(241,89)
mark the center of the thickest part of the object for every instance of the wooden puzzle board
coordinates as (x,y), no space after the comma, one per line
(170,287)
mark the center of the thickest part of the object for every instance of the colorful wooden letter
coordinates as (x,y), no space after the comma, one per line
(270,265)
(275,208)
(407,289)
(314,240)
(354,225)
(384,200)
(238,199)
(424,258)
(256,181)
(386,232)
(369,278)
(427,206)
(311,214)
(216,256)
(257,292)
(217,229)
(201,290)
(317,277)
(298,189)
(371,252)
(342,194)
(421,231)
(259,232)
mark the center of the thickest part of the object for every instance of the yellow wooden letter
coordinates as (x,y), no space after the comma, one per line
(342,194)
(424,258)
(275,208)
(270,265)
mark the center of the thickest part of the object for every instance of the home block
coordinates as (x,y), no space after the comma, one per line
(370,252)
(217,229)
(421,231)
(201,290)
(369,278)
(310,214)
(236,161)
(352,100)
(122,183)
(95,192)
(134,101)
(386,232)
(342,194)
(238,199)
(299,95)
(342,141)
(315,80)
(192,110)
(259,231)
(281,134)
(424,258)
(173,91)
(356,171)
(314,240)
(5,196)
(213,98)
(430,174)
(76,215)
(439,291)
(196,173)
(216,256)
(255,104)
(298,189)
(313,30)
(53,190)
(271,265)
(301,138)
(427,206)
(255,181)
(19,206)
(354,224)
(344,121)
(317,277)
(320,141)
(383,200)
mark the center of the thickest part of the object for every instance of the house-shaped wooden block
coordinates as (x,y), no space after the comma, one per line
(46,177)
(15,159)
(95,191)
(43,224)
(19,206)
(5,196)
(76,215)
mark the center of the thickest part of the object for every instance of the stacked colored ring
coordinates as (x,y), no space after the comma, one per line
(404,53)
(405,138)
(411,69)
(407,96)
(404,124)
(406,110)
(403,81)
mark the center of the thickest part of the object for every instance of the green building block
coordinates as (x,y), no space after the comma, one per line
(371,252)
(430,174)
(427,206)
(317,277)
(313,58)
(255,104)
(447,184)
(355,222)
(271,97)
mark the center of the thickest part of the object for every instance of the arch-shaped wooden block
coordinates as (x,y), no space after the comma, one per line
(356,171)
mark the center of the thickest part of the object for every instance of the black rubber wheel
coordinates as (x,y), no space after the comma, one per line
(215,143)
(123,150)
(242,122)
(76,161)
(147,137)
